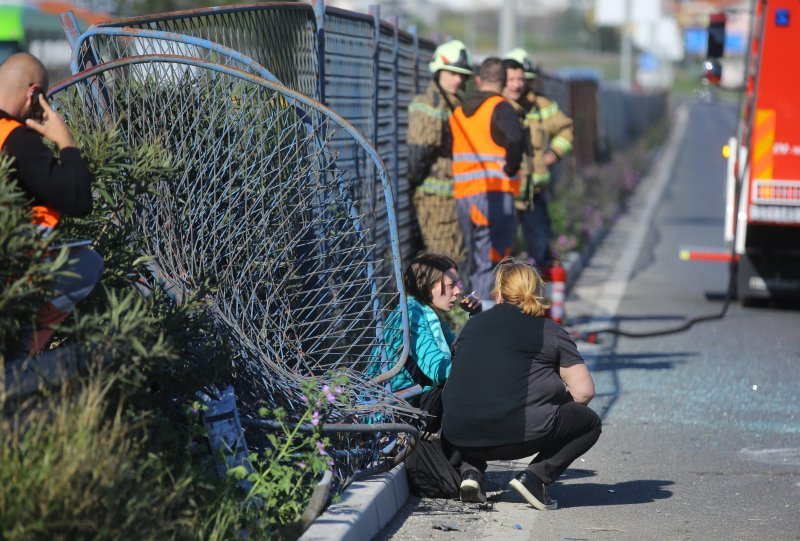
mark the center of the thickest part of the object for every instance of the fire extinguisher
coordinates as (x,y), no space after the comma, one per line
(556,277)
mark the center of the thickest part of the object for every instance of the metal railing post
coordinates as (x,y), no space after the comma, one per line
(319,13)
(415,38)
(375,11)
(393,20)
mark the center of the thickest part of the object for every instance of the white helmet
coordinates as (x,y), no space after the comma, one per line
(521,55)
(451,56)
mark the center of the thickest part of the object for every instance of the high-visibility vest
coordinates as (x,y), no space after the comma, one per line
(477,159)
(45,218)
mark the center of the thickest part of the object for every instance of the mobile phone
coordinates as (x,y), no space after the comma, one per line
(37,113)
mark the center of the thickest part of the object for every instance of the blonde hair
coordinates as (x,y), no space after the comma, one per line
(520,285)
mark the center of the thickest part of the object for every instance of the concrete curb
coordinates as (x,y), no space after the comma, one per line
(365,507)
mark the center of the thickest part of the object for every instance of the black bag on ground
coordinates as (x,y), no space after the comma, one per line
(432,469)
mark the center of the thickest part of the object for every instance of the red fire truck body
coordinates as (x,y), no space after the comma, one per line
(764,160)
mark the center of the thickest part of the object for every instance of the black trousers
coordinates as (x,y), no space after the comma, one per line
(430,401)
(575,430)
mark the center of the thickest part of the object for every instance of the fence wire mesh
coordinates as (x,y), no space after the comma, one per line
(268,219)
(101,45)
(282,37)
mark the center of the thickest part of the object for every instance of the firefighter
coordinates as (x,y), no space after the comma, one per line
(487,142)
(56,186)
(429,166)
(549,139)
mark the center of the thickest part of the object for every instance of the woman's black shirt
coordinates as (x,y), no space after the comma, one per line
(504,387)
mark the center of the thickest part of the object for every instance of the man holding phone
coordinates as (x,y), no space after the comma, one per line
(56,185)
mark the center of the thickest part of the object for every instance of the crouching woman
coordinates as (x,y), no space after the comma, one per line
(518,387)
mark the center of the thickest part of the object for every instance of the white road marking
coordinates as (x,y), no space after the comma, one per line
(630,231)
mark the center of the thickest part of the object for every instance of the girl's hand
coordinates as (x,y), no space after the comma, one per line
(471,303)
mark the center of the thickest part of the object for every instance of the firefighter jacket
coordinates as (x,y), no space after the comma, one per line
(430,169)
(487,146)
(549,129)
(57,185)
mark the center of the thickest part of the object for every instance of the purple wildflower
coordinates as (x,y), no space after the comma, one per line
(328,394)
(321,448)
(315,418)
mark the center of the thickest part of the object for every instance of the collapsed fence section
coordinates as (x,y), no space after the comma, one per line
(264,220)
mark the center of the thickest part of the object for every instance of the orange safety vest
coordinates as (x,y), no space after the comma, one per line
(45,218)
(477,166)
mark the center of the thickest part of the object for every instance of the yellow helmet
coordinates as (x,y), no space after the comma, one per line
(521,55)
(452,56)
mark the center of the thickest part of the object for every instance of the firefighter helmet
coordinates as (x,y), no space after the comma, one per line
(521,55)
(452,56)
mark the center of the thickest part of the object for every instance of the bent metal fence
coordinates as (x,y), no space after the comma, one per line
(365,69)
(301,278)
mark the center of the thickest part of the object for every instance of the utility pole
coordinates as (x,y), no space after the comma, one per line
(508,26)
(626,48)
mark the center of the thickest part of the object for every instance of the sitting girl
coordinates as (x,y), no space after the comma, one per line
(433,287)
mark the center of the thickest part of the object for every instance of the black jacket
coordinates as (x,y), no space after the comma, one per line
(64,185)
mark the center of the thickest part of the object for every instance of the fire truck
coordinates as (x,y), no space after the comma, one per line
(762,194)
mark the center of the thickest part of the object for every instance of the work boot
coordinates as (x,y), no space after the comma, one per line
(471,490)
(533,490)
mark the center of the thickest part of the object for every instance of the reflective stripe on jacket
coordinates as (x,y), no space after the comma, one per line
(45,218)
(477,159)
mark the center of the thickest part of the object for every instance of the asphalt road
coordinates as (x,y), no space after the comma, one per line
(701,436)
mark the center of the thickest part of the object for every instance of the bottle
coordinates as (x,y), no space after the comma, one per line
(558,286)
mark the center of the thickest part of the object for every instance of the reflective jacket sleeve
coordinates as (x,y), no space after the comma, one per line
(420,160)
(507,132)
(557,125)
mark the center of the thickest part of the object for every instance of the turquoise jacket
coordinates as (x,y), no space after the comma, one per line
(429,340)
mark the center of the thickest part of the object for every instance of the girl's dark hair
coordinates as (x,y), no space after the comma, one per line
(425,271)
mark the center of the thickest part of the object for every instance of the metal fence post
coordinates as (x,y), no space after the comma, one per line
(71,28)
(415,37)
(393,20)
(319,13)
(375,11)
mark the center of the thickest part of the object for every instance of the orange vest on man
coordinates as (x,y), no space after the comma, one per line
(477,159)
(45,218)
